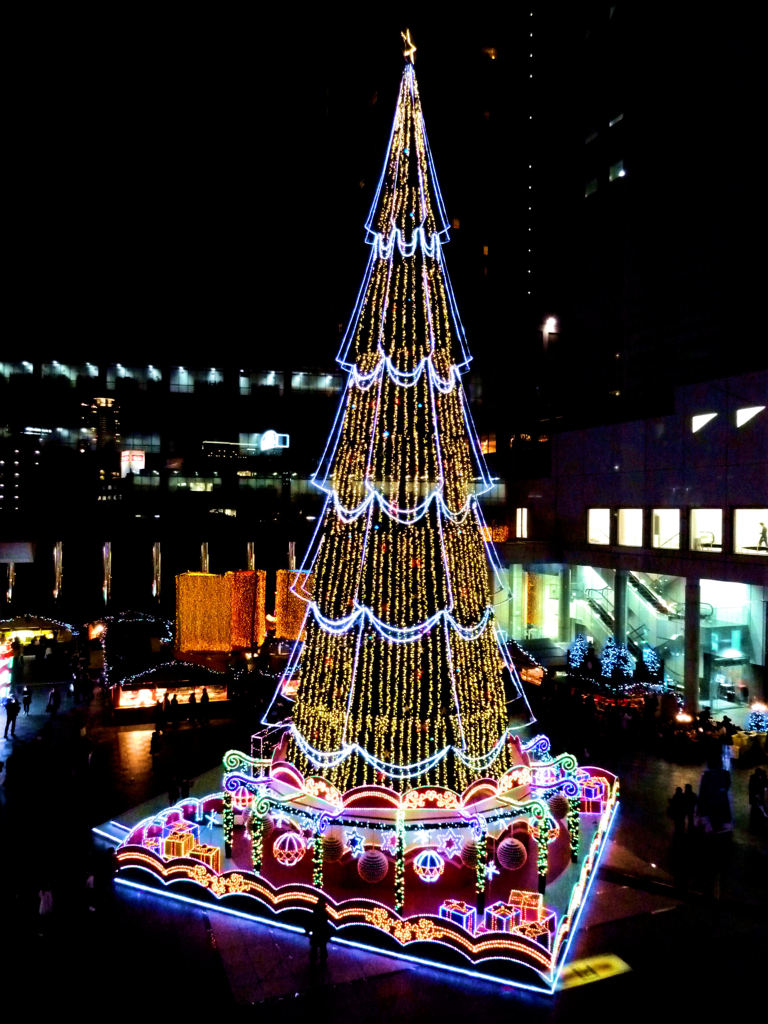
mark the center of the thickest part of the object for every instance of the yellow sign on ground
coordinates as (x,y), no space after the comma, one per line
(592,968)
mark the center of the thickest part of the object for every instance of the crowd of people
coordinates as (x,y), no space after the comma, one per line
(651,720)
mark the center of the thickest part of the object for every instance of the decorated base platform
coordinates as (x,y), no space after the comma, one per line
(489,882)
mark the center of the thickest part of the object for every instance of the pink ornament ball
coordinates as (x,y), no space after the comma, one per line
(373,866)
(333,846)
(558,807)
(511,854)
(469,853)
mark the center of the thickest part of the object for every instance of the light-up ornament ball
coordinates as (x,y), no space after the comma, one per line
(289,848)
(373,866)
(429,865)
(558,807)
(333,845)
(511,854)
(469,853)
(241,798)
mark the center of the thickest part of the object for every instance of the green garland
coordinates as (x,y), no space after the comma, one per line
(400,867)
(256,833)
(574,827)
(228,823)
(542,860)
(317,862)
(482,858)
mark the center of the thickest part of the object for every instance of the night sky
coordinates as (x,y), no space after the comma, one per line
(186,180)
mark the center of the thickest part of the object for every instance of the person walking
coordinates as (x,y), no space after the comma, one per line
(676,811)
(690,801)
(54,699)
(319,932)
(11,713)
(204,702)
(26,699)
(173,791)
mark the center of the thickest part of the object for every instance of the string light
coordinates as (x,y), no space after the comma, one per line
(400,741)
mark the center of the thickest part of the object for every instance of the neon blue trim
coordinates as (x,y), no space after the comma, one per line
(272,923)
(584,900)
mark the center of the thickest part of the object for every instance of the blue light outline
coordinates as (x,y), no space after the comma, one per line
(573,927)
(273,923)
(408,83)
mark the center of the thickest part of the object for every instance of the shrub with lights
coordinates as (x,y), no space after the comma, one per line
(757,719)
(402,766)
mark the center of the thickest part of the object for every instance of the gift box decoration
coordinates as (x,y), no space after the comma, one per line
(537,931)
(210,855)
(188,828)
(502,917)
(180,841)
(591,806)
(593,789)
(178,844)
(548,918)
(530,904)
(172,821)
(460,912)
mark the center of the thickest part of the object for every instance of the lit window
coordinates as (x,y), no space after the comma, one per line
(599,526)
(750,531)
(701,420)
(182,381)
(488,444)
(521,523)
(745,415)
(665,528)
(631,527)
(706,529)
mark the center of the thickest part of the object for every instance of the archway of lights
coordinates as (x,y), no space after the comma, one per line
(401,787)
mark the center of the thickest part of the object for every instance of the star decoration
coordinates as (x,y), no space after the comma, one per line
(355,843)
(449,843)
(389,842)
(491,870)
(213,819)
(410,52)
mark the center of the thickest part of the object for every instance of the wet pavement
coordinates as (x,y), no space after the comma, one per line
(671,911)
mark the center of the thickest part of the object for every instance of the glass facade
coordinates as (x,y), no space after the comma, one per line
(706,529)
(750,531)
(631,527)
(665,528)
(532,603)
(599,526)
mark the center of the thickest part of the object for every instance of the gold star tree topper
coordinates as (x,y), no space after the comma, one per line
(410,49)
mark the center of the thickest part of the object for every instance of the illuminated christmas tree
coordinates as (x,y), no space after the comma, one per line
(400,795)
(401,677)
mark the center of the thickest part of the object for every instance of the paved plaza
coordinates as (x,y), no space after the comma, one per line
(661,912)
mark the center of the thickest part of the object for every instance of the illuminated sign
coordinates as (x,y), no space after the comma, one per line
(131,461)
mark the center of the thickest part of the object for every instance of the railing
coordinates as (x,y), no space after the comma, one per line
(706,540)
(668,542)
(601,604)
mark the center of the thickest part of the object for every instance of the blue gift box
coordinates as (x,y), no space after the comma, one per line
(461,913)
